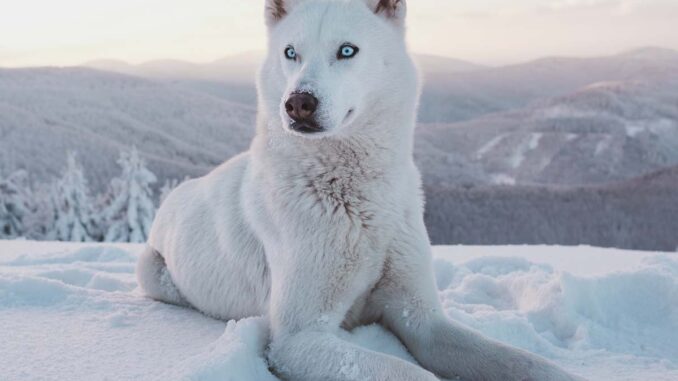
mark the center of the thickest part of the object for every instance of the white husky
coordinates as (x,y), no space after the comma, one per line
(319,226)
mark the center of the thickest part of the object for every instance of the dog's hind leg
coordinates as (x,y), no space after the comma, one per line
(155,280)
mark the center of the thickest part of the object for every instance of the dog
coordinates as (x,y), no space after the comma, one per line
(320,225)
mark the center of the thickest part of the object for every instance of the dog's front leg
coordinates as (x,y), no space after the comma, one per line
(411,309)
(310,295)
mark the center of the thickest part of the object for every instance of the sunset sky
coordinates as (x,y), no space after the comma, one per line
(68,32)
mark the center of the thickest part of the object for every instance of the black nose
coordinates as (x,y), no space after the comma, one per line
(301,106)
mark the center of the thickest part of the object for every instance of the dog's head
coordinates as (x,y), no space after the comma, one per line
(333,64)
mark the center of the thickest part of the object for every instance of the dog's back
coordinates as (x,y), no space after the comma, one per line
(201,238)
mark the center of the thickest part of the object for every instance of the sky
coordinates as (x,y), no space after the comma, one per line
(70,32)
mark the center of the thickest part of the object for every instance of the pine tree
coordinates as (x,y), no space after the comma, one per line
(130,210)
(73,212)
(39,223)
(15,204)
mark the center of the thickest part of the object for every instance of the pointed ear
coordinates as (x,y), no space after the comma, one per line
(394,10)
(276,10)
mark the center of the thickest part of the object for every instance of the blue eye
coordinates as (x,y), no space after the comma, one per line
(290,53)
(347,51)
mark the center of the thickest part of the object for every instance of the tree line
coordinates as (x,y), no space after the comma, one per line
(67,210)
(641,214)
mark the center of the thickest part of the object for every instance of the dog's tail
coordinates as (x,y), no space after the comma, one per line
(155,280)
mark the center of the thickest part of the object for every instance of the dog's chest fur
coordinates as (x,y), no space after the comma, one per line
(346,182)
(340,194)
(337,181)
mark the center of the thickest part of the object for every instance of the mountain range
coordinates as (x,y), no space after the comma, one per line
(46,112)
(562,121)
(601,133)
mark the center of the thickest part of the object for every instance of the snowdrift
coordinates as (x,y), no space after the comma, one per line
(72,312)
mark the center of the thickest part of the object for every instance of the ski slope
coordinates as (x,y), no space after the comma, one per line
(72,312)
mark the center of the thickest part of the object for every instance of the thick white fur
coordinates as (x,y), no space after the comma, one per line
(325,231)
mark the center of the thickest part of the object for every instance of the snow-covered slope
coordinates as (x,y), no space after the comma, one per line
(558,123)
(72,312)
(453,97)
(550,121)
(46,112)
(601,133)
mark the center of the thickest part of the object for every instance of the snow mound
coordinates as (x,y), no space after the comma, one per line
(73,309)
(237,355)
(87,254)
(624,317)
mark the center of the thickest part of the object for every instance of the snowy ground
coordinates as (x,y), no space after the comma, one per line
(71,312)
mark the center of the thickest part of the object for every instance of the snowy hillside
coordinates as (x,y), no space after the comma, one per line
(549,121)
(582,132)
(46,112)
(453,97)
(601,133)
(454,90)
(72,312)
(558,120)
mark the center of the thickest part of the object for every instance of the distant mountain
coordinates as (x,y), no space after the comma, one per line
(652,54)
(237,69)
(553,121)
(431,64)
(453,91)
(453,97)
(242,68)
(46,112)
(601,133)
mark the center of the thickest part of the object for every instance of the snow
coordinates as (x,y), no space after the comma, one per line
(489,146)
(534,140)
(71,311)
(503,179)
(520,152)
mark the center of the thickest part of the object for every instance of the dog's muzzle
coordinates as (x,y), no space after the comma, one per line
(301,108)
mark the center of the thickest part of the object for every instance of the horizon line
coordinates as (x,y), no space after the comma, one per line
(261,53)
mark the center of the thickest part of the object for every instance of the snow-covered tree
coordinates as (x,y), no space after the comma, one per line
(39,224)
(71,202)
(15,204)
(130,209)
